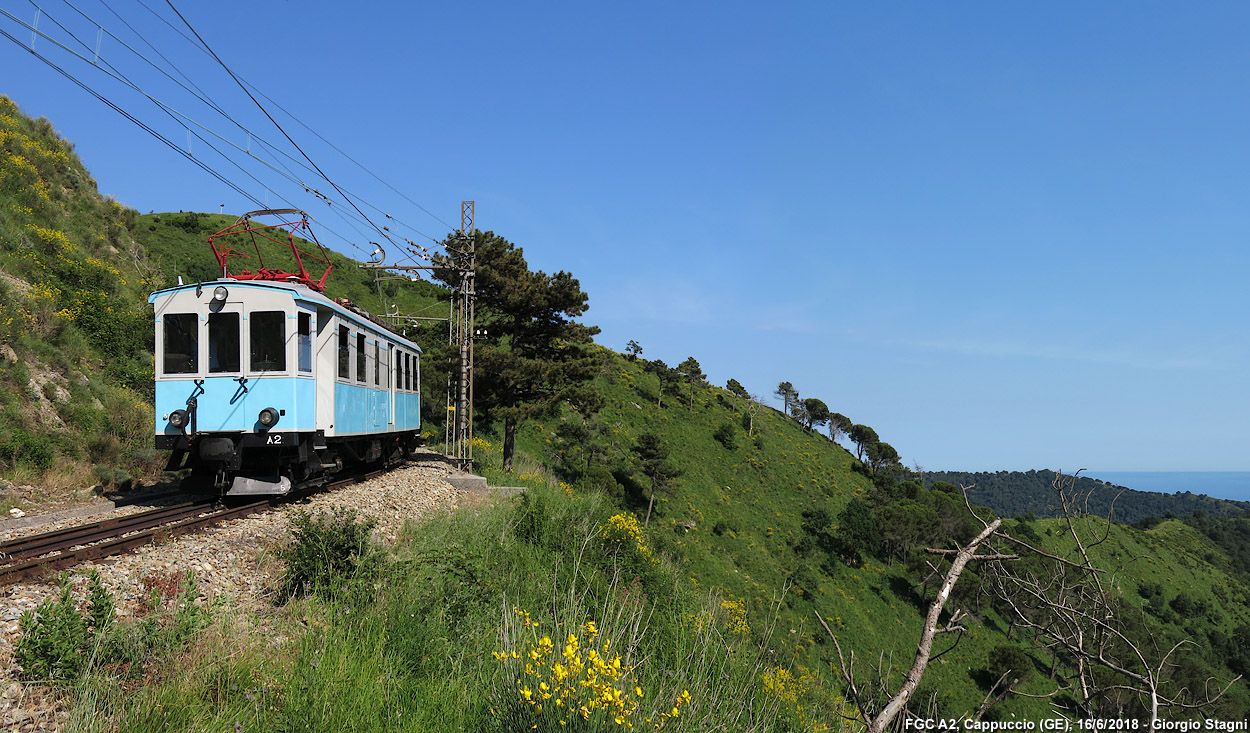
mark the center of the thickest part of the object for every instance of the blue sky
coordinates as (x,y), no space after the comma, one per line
(1005,236)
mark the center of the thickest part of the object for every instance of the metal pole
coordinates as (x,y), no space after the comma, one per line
(463,416)
(472,334)
(449,423)
(466,321)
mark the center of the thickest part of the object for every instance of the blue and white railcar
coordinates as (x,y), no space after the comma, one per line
(262,383)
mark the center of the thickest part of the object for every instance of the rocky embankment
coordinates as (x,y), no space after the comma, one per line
(233,560)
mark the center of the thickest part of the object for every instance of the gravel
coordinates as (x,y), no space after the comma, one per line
(232,559)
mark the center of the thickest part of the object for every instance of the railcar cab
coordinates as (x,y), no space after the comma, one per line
(234,372)
(261,380)
(261,384)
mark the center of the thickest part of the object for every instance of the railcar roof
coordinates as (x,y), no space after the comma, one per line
(298,291)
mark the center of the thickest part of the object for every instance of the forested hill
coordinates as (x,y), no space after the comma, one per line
(1013,493)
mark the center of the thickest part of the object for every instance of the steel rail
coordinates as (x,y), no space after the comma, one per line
(118,545)
(67,537)
(123,534)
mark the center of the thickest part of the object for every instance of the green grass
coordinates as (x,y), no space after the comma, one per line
(715,615)
(420,653)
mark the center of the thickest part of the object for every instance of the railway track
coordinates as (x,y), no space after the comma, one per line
(35,555)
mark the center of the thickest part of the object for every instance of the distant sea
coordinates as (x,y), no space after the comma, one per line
(1219,484)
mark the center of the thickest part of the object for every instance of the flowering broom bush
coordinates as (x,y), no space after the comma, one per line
(583,683)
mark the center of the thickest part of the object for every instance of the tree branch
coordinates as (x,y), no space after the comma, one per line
(912,680)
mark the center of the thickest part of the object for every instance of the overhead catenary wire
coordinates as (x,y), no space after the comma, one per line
(203,96)
(174,114)
(246,91)
(113,71)
(203,48)
(85,87)
(182,119)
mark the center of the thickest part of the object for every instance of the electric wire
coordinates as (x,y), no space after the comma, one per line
(386,235)
(207,169)
(116,73)
(203,96)
(301,123)
(175,114)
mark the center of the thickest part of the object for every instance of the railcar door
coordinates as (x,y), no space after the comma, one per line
(225,386)
(391,386)
(326,370)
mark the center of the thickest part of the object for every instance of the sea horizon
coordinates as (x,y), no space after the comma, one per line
(1233,485)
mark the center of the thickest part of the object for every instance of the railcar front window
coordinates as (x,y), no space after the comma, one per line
(345,359)
(267,341)
(305,342)
(223,342)
(182,343)
(360,358)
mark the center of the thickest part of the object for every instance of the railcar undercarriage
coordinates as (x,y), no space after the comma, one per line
(272,464)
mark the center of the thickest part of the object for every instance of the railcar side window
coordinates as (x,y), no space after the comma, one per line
(223,342)
(409,360)
(345,359)
(377,363)
(305,342)
(360,357)
(267,342)
(403,384)
(399,369)
(182,343)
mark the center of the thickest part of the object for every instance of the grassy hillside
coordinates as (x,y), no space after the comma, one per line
(736,522)
(717,596)
(75,340)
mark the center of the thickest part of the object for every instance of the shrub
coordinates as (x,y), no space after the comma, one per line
(726,435)
(23,448)
(599,479)
(531,516)
(53,638)
(174,614)
(328,550)
(57,639)
(1009,662)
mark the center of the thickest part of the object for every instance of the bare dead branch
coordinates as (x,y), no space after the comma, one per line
(848,672)
(912,681)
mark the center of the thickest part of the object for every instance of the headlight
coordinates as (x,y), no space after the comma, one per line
(220,293)
(268,417)
(178,418)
